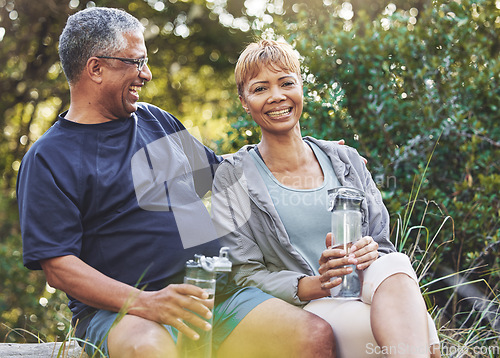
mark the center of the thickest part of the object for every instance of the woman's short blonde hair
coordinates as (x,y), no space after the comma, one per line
(278,55)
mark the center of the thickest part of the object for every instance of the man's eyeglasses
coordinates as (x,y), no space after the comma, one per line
(139,62)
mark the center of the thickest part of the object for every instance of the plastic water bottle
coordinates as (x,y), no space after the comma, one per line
(345,205)
(202,272)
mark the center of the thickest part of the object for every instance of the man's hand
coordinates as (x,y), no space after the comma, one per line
(177,305)
(342,142)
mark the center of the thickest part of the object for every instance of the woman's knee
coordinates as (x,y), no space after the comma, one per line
(318,338)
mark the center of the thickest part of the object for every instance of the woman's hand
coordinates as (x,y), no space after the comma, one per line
(365,252)
(332,265)
(362,254)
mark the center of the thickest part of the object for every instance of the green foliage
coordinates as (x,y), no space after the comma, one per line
(26,304)
(391,87)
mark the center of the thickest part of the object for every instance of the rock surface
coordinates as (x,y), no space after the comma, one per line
(41,350)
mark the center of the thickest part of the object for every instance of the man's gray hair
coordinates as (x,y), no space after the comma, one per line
(96,31)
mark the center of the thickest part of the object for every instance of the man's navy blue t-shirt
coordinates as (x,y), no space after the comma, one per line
(123,196)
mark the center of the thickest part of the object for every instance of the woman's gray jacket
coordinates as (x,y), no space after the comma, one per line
(248,223)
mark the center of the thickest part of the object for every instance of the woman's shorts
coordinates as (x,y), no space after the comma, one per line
(350,319)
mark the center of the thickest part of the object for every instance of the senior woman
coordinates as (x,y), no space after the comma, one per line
(269,204)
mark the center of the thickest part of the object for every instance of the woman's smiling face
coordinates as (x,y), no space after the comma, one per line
(274,99)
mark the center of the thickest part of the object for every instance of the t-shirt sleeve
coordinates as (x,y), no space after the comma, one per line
(49,218)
